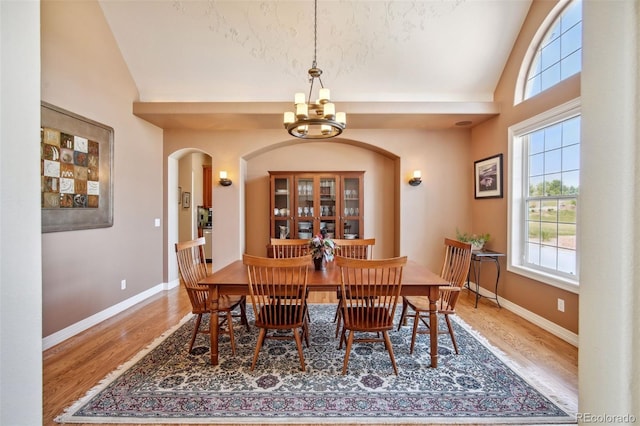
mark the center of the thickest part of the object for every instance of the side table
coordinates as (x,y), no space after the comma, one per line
(478,257)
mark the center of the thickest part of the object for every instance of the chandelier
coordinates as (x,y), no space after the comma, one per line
(315,119)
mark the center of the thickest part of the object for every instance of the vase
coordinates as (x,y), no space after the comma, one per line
(318,262)
(477,246)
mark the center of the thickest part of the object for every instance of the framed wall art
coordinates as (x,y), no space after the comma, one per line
(488,177)
(76,168)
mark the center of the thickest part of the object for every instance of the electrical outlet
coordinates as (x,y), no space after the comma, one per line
(561,305)
(156,222)
(123,284)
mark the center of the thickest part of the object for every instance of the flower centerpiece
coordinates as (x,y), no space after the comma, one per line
(321,250)
(477,241)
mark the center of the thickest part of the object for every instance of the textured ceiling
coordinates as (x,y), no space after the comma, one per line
(371,51)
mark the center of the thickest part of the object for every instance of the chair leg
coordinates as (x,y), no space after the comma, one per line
(338,317)
(453,337)
(231,336)
(243,314)
(261,336)
(414,333)
(387,343)
(195,332)
(347,352)
(296,334)
(405,305)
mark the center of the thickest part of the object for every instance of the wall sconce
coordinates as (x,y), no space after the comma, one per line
(416,179)
(224,180)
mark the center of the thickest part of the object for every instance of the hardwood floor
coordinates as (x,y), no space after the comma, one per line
(79,363)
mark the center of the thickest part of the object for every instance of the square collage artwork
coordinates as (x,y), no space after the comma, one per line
(69,170)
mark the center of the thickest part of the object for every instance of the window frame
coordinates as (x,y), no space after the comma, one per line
(530,56)
(518,190)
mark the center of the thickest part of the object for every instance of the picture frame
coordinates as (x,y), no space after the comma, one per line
(76,171)
(186,200)
(488,177)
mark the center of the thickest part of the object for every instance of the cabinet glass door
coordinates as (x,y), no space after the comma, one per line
(328,205)
(282,212)
(305,209)
(351,208)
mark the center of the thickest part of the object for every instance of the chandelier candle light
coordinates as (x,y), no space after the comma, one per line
(316,119)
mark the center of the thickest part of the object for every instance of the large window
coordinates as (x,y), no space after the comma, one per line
(545,177)
(558,52)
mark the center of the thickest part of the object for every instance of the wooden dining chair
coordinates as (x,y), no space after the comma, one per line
(375,286)
(283,248)
(278,292)
(455,268)
(360,248)
(192,267)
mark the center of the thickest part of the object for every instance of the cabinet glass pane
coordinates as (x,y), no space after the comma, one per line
(352,228)
(282,197)
(305,207)
(282,228)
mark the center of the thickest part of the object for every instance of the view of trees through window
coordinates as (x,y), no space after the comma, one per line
(552,199)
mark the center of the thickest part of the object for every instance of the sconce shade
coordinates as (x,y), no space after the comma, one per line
(224,180)
(416,179)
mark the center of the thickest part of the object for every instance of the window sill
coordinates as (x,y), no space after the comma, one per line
(571,286)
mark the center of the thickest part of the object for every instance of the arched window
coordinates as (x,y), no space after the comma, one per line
(555,53)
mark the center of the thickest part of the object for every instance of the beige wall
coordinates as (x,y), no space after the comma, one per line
(426,214)
(83,72)
(490,215)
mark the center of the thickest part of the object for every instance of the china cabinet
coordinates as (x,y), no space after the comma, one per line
(304,204)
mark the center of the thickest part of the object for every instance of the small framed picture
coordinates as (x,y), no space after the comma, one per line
(186,200)
(488,177)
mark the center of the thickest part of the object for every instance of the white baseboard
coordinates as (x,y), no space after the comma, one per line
(545,324)
(80,326)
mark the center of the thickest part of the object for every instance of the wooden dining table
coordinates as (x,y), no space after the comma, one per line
(417,280)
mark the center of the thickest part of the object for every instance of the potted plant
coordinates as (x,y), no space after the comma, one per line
(477,241)
(321,250)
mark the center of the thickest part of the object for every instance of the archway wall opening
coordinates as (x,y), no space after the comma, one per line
(405,220)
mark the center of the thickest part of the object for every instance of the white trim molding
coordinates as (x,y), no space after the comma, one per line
(553,328)
(64,334)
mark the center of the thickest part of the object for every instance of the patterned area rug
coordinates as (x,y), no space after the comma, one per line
(165,384)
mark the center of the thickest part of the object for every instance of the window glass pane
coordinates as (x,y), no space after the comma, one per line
(533,254)
(571,65)
(571,183)
(572,15)
(550,76)
(553,184)
(567,236)
(536,142)
(567,215)
(553,137)
(549,211)
(533,231)
(571,41)
(548,257)
(533,210)
(567,261)
(536,164)
(571,157)
(536,186)
(549,233)
(571,131)
(553,161)
(550,54)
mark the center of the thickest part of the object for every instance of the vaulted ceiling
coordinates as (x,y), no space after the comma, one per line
(237,63)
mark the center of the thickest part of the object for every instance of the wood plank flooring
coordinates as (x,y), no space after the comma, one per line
(71,368)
